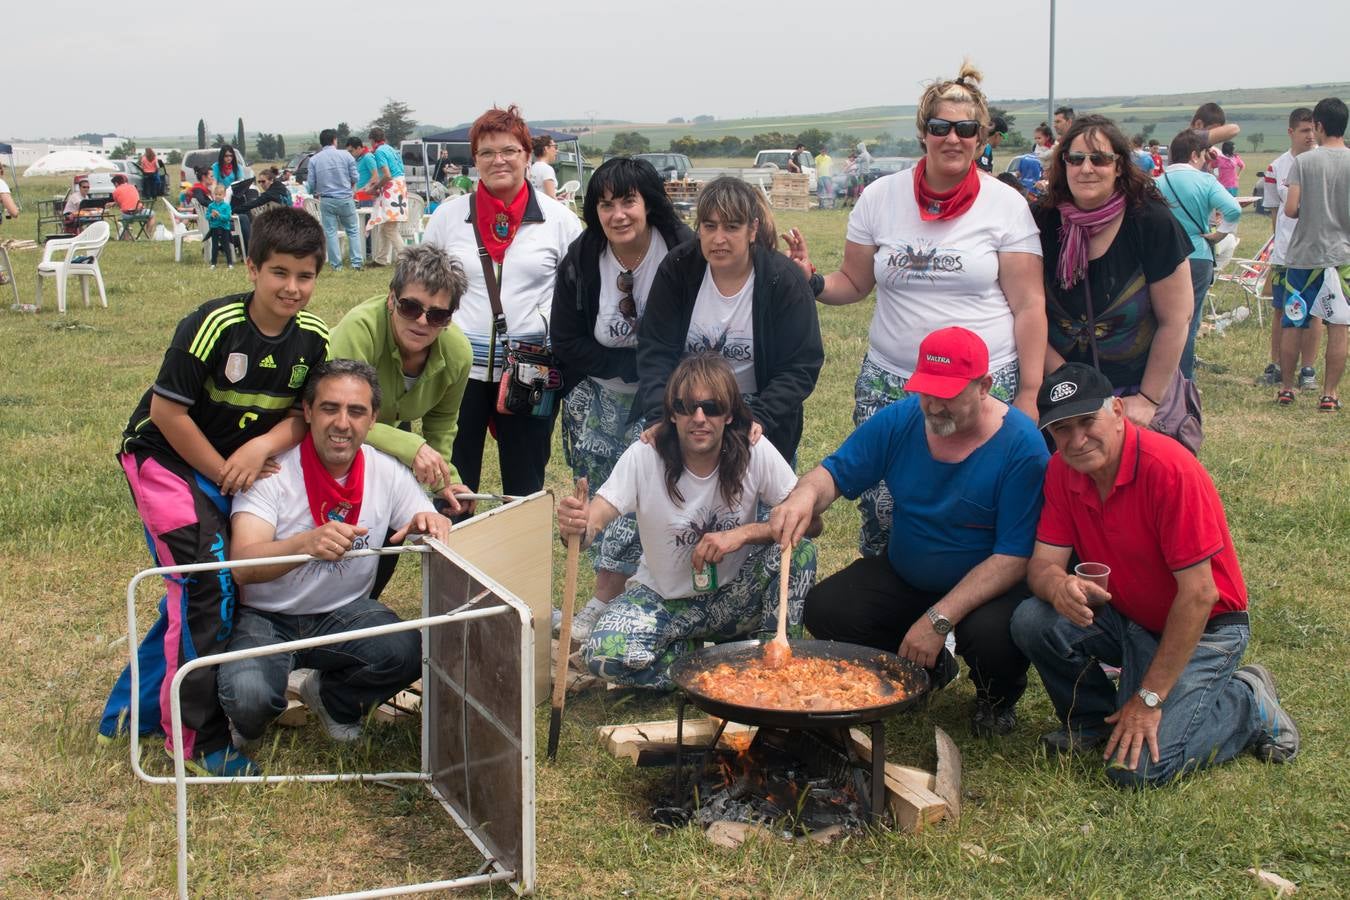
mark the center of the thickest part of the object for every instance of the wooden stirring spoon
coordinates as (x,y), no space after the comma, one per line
(777,651)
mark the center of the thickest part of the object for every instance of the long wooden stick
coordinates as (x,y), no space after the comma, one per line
(565,634)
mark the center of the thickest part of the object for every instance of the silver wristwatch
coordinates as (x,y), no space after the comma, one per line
(941,624)
(1151,700)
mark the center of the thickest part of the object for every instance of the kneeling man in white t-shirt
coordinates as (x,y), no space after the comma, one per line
(709,568)
(328,495)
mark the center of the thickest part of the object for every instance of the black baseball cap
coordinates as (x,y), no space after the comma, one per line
(1072,390)
(999,125)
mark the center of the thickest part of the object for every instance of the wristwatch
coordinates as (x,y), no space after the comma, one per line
(1151,700)
(941,624)
(817,282)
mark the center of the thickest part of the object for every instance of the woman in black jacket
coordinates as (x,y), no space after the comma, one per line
(272,192)
(600,297)
(732,293)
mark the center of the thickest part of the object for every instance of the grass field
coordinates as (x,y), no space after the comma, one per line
(77,823)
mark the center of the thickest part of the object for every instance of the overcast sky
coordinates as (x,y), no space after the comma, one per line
(300,66)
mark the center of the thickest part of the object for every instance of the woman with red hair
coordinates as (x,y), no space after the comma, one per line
(524,236)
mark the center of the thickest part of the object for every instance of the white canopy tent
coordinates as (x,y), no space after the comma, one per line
(69,162)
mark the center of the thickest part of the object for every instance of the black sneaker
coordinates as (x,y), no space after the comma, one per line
(1271,376)
(1065,741)
(1278,741)
(990,721)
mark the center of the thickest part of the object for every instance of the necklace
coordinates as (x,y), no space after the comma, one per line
(641,256)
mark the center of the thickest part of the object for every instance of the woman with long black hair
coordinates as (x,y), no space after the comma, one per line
(601,295)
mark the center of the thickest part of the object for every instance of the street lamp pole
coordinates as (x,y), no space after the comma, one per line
(1050,110)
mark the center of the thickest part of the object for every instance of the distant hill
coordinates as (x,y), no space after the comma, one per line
(1261,111)
(1258,110)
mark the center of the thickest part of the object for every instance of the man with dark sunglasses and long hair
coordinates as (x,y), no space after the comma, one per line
(423,362)
(709,567)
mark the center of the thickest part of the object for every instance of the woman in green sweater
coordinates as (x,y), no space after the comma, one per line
(423,363)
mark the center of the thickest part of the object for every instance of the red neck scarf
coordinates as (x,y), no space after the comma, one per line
(329,500)
(497,221)
(934,206)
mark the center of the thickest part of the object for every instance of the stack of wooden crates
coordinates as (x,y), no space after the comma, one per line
(790,191)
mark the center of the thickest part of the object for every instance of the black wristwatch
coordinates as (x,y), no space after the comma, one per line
(817,282)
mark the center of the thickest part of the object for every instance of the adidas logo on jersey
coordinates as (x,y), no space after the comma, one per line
(267,362)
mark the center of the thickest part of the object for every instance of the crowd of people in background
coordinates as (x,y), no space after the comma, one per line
(1055,307)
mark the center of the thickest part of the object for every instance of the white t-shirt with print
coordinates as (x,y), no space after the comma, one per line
(541,172)
(1276,192)
(611,328)
(932,275)
(726,325)
(670,531)
(4,188)
(391,495)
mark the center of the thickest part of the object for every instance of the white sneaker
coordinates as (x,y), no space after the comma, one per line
(343,732)
(584,621)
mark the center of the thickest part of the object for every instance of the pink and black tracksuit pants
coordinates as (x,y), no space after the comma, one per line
(185,524)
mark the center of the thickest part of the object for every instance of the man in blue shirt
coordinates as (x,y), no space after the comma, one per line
(332,178)
(966,471)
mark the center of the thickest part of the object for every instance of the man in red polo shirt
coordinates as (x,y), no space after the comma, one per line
(1173,615)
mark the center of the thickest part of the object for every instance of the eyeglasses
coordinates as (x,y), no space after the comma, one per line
(965,128)
(508,154)
(412,310)
(710,408)
(627,305)
(1097,157)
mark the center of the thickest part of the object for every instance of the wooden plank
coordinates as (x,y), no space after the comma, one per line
(948,785)
(913,805)
(1282,887)
(624,741)
(513,545)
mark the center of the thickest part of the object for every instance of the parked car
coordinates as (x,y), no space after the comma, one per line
(672,166)
(204,159)
(889,165)
(299,165)
(100,183)
(778,159)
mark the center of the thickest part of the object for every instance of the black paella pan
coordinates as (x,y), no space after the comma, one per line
(908,678)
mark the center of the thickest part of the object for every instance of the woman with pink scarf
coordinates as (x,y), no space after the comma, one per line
(1117,281)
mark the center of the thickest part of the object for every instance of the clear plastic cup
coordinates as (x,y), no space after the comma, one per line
(1097,573)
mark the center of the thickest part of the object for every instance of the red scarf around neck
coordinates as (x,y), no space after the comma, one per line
(329,500)
(498,221)
(934,206)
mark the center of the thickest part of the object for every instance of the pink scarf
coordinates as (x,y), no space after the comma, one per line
(1076,229)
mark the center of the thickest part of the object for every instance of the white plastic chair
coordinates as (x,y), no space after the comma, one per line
(568,194)
(204,233)
(78,256)
(184,226)
(411,229)
(311,206)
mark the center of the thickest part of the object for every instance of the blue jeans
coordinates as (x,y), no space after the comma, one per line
(357,675)
(334,213)
(1202,274)
(1208,718)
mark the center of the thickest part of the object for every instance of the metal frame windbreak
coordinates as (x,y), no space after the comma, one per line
(521,881)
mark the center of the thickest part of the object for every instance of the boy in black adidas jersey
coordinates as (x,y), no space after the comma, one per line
(226,402)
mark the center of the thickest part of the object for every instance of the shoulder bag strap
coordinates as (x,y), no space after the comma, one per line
(494,289)
(1092,316)
(1182,206)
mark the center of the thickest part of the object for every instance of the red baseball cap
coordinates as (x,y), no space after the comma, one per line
(949,359)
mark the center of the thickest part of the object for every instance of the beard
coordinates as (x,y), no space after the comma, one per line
(942,426)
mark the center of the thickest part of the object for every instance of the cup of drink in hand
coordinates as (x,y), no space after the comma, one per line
(1096,573)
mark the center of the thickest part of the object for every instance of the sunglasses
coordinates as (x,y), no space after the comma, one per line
(1097,157)
(412,310)
(627,305)
(966,128)
(710,408)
